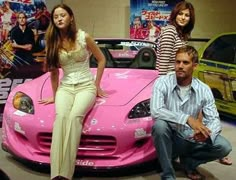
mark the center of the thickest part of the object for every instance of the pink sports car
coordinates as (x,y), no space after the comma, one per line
(116,132)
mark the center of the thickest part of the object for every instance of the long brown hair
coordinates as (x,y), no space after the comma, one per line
(184,32)
(53,39)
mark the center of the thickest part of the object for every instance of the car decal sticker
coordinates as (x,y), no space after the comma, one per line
(18,129)
(100,101)
(85,163)
(123,75)
(140,133)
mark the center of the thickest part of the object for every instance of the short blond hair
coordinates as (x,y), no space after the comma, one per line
(190,50)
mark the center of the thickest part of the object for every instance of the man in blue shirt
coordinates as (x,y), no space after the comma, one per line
(187,123)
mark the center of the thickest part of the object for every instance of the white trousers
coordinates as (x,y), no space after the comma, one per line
(72,103)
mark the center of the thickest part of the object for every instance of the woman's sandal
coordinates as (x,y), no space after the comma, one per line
(225,161)
(194,175)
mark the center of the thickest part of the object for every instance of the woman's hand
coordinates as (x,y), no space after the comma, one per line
(101,93)
(46,101)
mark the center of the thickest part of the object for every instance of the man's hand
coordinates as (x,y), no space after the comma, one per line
(27,47)
(14,44)
(199,137)
(201,132)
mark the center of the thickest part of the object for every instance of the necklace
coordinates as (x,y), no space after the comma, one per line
(67,45)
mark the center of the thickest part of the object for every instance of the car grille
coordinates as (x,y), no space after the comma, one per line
(91,146)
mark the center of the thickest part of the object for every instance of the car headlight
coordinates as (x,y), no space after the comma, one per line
(140,110)
(23,103)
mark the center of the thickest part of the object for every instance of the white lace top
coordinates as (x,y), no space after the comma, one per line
(75,63)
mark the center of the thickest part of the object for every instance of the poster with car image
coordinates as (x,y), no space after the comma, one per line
(22,46)
(148,16)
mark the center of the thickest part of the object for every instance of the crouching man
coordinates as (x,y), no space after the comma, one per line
(187,123)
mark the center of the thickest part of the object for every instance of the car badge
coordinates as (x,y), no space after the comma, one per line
(93,121)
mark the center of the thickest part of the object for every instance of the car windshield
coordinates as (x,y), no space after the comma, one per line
(135,54)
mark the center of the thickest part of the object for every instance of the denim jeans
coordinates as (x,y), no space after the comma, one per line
(168,144)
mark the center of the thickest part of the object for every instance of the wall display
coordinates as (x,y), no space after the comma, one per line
(147,17)
(18,65)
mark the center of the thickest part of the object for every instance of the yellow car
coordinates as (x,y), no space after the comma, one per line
(217,68)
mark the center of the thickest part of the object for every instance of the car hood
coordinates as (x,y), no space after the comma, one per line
(121,85)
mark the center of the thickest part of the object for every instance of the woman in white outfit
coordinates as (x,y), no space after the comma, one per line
(75,95)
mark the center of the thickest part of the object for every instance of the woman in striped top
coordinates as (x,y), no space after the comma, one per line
(174,35)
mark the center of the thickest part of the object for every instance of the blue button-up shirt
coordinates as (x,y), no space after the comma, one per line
(167,104)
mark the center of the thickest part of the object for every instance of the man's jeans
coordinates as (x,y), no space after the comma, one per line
(169,144)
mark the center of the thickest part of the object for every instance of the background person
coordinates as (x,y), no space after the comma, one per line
(153,31)
(22,38)
(137,30)
(174,35)
(42,19)
(177,101)
(6,19)
(70,49)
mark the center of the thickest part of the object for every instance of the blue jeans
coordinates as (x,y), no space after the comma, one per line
(168,144)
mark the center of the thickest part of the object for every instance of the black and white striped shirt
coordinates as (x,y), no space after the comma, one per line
(168,43)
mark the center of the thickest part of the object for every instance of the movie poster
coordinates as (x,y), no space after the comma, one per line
(21,56)
(148,16)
